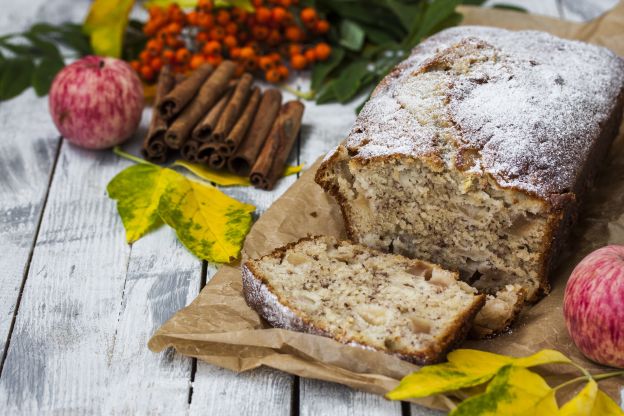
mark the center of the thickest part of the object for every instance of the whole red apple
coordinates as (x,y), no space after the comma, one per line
(593,306)
(96,102)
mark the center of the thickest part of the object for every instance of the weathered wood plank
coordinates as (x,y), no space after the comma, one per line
(581,11)
(323,398)
(28,149)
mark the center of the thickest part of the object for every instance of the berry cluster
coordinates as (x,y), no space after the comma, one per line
(267,41)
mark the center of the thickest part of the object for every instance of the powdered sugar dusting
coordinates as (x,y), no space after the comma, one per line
(531,104)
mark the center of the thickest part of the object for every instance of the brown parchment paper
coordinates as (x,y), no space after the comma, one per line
(219,328)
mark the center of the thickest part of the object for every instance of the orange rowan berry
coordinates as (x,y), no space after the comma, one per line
(155,11)
(286,3)
(136,65)
(283,71)
(310,55)
(294,34)
(205,21)
(239,14)
(201,37)
(278,14)
(154,46)
(174,42)
(230,41)
(192,18)
(298,61)
(212,48)
(196,61)
(223,17)
(156,64)
(149,29)
(265,63)
(182,55)
(322,51)
(257,3)
(174,28)
(294,49)
(322,26)
(214,60)
(144,56)
(275,57)
(260,32)
(247,53)
(231,28)
(205,5)
(147,73)
(168,55)
(217,33)
(235,53)
(263,15)
(272,75)
(274,37)
(308,14)
(250,65)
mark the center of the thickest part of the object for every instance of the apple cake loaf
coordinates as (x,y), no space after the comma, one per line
(475,152)
(360,296)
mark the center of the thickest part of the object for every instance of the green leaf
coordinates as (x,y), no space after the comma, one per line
(465,368)
(138,190)
(350,80)
(407,13)
(321,70)
(474,2)
(47,49)
(436,12)
(514,391)
(510,7)
(15,76)
(376,35)
(326,93)
(351,35)
(134,40)
(44,73)
(591,402)
(209,223)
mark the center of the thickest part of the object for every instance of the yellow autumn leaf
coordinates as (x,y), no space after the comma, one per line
(591,402)
(209,223)
(515,391)
(106,24)
(243,4)
(223,178)
(465,368)
(137,191)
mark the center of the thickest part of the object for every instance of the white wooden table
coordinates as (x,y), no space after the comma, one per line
(77,304)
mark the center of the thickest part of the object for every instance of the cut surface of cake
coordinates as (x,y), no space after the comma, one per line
(475,152)
(360,296)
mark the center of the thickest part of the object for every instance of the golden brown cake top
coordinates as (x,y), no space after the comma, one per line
(524,107)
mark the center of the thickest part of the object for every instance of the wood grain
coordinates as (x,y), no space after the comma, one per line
(28,148)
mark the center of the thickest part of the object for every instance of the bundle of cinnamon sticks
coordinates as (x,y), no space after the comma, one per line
(211,118)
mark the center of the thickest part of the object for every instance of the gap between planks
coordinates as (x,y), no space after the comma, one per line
(5,351)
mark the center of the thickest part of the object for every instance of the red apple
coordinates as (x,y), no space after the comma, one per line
(593,306)
(96,102)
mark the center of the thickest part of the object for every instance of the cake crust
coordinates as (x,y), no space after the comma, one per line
(513,111)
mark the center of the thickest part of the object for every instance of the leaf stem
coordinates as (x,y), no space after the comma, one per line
(308,95)
(117,150)
(582,369)
(588,376)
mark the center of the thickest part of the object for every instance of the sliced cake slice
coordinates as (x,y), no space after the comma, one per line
(361,296)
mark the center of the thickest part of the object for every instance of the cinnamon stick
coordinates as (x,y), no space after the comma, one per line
(208,95)
(242,125)
(189,150)
(203,130)
(270,164)
(245,156)
(217,160)
(205,151)
(233,108)
(175,101)
(154,147)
